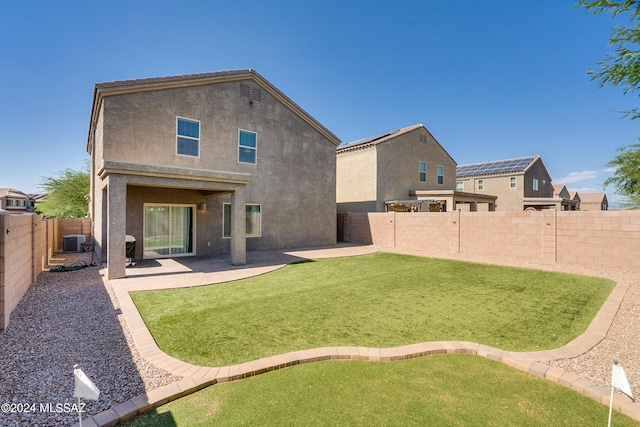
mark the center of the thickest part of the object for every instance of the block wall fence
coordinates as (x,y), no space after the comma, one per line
(610,239)
(27,246)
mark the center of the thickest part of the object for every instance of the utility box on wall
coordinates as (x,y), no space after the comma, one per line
(73,243)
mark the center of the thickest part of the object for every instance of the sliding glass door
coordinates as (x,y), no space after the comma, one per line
(168,230)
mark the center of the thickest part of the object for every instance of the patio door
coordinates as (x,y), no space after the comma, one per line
(168,230)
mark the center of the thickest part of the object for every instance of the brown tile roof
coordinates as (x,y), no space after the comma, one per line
(375,140)
(170,82)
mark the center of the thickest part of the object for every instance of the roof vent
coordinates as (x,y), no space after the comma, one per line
(250,93)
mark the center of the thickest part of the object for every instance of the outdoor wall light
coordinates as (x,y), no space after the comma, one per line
(250,103)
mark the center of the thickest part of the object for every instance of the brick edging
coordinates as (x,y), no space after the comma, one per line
(199,377)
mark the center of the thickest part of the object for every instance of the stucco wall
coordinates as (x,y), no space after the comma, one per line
(610,239)
(294,178)
(398,166)
(370,176)
(356,181)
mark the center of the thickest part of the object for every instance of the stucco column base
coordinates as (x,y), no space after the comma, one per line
(116,226)
(238,227)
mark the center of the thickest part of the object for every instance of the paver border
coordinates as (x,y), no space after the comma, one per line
(198,377)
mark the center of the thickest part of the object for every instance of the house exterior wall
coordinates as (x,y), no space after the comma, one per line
(369,176)
(356,180)
(511,199)
(398,166)
(294,178)
(537,171)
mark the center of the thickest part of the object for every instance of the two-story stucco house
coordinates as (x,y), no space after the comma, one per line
(207,164)
(518,183)
(406,170)
(14,201)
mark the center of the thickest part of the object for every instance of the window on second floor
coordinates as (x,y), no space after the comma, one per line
(481,184)
(460,186)
(512,182)
(188,137)
(423,171)
(440,174)
(535,184)
(247,146)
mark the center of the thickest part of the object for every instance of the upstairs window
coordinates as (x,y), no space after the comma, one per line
(535,184)
(481,184)
(460,186)
(188,137)
(247,146)
(423,171)
(512,182)
(440,174)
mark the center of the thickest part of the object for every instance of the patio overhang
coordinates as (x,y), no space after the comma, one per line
(117,176)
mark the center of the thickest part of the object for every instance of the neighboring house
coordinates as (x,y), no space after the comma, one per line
(576,198)
(14,201)
(207,164)
(404,170)
(566,199)
(519,184)
(594,202)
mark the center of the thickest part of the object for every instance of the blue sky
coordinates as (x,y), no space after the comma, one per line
(491,79)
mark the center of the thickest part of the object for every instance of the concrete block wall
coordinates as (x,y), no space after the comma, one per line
(17,251)
(26,245)
(610,239)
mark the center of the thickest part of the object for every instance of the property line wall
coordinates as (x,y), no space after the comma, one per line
(610,239)
(26,244)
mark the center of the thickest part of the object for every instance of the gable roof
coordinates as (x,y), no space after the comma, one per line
(11,192)
(593,198)
(379,139)
(496,167)
(102,90)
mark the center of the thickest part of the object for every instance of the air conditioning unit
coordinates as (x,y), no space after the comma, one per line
(72,243)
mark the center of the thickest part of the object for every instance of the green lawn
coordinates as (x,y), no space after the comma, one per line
(451,390)
(379,300)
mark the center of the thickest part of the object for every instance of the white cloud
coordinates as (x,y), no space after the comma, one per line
(574,177)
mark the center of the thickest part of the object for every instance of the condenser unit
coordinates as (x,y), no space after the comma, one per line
(73,243)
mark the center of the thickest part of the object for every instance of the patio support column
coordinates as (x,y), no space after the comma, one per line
(239,226)
(116,226)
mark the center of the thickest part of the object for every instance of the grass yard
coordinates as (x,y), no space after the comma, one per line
(378,300)
(451,390)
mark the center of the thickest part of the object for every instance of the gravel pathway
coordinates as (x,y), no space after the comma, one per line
(64,319)
(72,317)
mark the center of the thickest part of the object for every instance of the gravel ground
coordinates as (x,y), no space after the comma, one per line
(72,318)
(65,319)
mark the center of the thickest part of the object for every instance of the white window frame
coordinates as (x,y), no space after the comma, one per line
(513,182)
(439,169)
(459,185)
(420,172)
(535,184)
(188,137)
(480,184)
(255,149)
(248,235)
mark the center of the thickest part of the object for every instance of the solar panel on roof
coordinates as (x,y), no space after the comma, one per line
(496,167)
